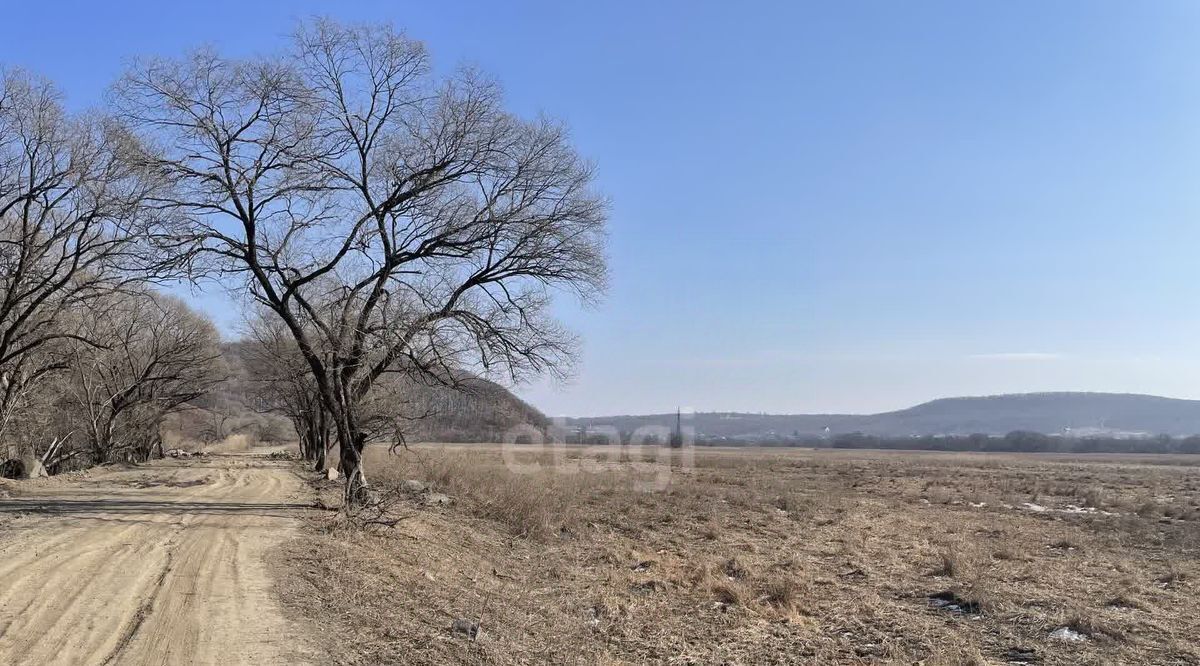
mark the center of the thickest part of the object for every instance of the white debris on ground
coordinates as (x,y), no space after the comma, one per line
(1068,634)
(1069,509)
(180,453)
(946,604)
(952,602)
(1088,510)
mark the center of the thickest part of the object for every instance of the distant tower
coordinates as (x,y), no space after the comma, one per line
(677,434)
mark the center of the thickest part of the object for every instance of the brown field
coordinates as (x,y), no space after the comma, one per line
(761,556)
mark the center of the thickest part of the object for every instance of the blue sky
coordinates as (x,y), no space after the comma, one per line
(843,206)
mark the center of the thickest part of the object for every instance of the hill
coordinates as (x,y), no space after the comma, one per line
(1075,414)
(476,410)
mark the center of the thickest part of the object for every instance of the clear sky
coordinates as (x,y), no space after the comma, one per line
(836,206)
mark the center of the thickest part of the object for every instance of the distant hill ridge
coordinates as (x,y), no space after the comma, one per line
(1062,413)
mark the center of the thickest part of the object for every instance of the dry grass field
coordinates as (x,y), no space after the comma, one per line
(760,556)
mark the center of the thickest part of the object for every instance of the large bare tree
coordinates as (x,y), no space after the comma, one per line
(152,356)
(394,220)
(72,228)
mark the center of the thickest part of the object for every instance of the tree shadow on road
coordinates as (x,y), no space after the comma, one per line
(98,508)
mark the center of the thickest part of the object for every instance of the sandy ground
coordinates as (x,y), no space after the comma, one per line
(159,564)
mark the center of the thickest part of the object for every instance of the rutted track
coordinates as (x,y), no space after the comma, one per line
(160,564)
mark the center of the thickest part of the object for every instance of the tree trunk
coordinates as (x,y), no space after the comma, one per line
(339,407)
(351,441)
(351,466)
(304,431)
(314,437)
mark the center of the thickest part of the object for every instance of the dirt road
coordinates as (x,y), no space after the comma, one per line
(159,564)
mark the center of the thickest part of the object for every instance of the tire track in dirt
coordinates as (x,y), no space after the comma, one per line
(139,616)
(159,564)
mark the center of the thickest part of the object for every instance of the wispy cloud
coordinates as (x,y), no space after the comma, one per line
(1017,356)
(773,357)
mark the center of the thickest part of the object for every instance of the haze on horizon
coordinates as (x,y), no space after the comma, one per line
(840,208)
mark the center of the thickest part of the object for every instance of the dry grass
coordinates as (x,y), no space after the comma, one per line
(764,557)
(538,506)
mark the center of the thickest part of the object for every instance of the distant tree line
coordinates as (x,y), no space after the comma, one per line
(1018,441)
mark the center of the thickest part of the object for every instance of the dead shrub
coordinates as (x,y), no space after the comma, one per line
(1172,577)
(795,504)
(780,593)
(1085,622)
(1065,543)
(938,495)
(1006,553)
(1094,496)
(734,569)
(954,561)
(728,592)
(1149,510)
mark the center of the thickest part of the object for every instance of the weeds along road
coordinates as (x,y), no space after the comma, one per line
(160,564)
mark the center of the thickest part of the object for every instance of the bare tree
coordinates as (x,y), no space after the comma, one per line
(283,383)
(72,227)
(155,356)
(394,221)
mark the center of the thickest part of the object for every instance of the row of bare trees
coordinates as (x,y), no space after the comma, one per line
(154,356)
(385,219)
(91,358)
(135,357)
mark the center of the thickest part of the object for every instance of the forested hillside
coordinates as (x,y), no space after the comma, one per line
(246,404)
(1064,414)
